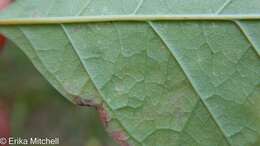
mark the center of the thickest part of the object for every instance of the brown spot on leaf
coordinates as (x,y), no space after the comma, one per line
(99,107)
(84,102)
(120,138)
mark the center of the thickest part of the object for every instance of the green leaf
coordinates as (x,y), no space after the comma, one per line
(161,73)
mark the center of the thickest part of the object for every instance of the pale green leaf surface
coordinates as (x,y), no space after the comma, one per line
(164,83)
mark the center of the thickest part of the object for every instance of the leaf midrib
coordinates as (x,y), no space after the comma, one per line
(106,18)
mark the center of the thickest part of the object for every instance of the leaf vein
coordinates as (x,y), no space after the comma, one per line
(244,32)
(221,9)
(190,81)
(93,83)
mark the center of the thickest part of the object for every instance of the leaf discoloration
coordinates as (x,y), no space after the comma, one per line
(84,102)
(120,138)
(103,115)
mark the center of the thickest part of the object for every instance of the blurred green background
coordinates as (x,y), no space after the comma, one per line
(37,110)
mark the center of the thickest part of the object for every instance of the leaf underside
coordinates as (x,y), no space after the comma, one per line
(163,83)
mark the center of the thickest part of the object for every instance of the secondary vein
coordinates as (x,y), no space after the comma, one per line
(192,84)
(245,33)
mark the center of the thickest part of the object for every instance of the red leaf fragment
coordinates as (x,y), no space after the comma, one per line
(103,115)
(4,4)
(120,138)
(2,42)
